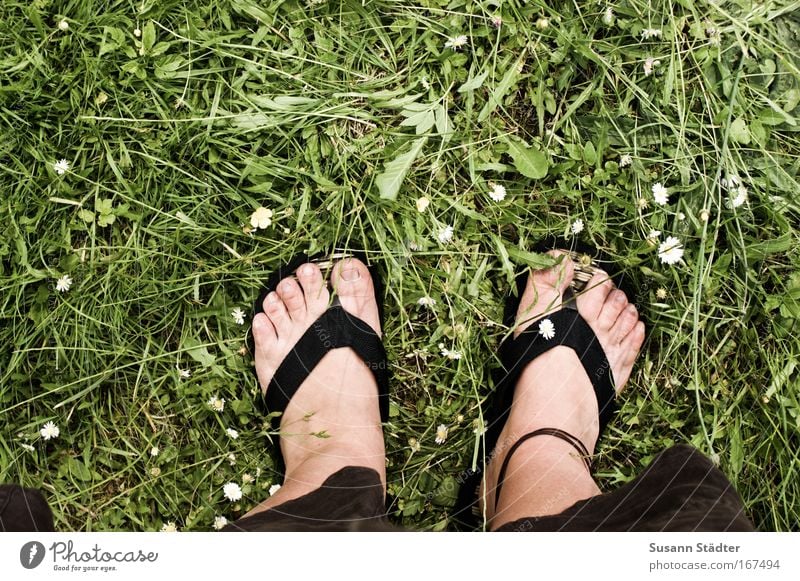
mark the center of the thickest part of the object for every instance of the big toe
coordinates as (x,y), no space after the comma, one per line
(544,291)
(352,284)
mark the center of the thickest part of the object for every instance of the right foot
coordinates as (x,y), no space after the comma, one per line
(333,420)
(554,391)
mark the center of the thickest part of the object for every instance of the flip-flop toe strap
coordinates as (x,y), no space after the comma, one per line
(336,328)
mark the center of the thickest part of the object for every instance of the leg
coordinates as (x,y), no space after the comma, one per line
(545,474)
(333,420)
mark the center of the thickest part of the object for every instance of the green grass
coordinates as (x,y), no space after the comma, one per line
(175,136)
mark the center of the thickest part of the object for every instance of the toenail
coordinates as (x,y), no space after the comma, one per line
(307,270)
(286,286)
(272,298)
(350,274)
(619,298)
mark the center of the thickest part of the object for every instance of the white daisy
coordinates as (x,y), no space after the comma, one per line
(220,522)
(649,33)
(650,63)
(422,204)
(625,160)
(274,488)
(660,194)
(547,329)
(577,226)
(498,192)
(426,302)
(730,182)
(670,251)
(450,353)
(261,218)
(238,316)
(232,459)
(28,447)
(661,293)
(169,527)
(61,167)
(232,491)
(63,25)
(445,234)
(441,434)
(740,197)
(247,478)
(608,16)
(232,434)
(183,372)
(456,42)
(64,283)
(49,431)
(643,203)
(654,234)
(154,451)
(217,404)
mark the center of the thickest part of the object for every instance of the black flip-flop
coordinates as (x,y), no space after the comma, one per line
(566,327)
(335,328)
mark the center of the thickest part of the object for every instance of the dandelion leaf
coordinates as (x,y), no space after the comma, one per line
(394,172)
(529,161)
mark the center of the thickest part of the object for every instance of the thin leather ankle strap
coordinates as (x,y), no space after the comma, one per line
(561,434)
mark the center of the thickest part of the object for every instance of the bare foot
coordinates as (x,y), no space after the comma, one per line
(554,391)
(333,420)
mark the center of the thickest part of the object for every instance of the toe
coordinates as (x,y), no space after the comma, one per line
(277,314)
(632,343)
(544,290)
(352,283)
(591,300)
(263,332)
(614,305)
(625,323)
(292,296)
(314,288)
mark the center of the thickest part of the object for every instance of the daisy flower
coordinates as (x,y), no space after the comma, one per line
(28,447)
(441,434)
(64,283)
(498,192)
(49,431)
(649,33)
(217,404)
(232,434)
(547,329)
(625,160)
(661,293)
(247,478)
(660,194)
(261,218)
(739,199)
(183,372)
(670,251)
(220,522)
(232,459)
(650,63)
(232,491)
(238,316)
(730,182)
(445,234)
(450,353)
(61,167)
(422,204)
(274,488)
(426,302)
(577,226)
(169,527)
(154,451)
(654,234)
(456,42)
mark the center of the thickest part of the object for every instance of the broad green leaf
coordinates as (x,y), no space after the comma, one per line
(529,161)
(394,172)
(148,36)
(739,131)
(199,352)
(423,121)
(473,83)
(444,126)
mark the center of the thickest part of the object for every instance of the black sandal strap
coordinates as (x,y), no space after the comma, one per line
(566,436)
(334,329)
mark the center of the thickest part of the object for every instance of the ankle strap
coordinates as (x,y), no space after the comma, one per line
(561,434)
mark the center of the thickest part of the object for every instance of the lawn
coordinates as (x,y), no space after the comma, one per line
(446,138)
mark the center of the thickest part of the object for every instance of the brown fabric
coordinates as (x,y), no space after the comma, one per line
(23,510)
(351,499)
(681,490)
